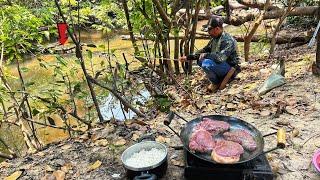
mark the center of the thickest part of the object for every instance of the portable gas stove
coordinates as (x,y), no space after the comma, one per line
(256,169)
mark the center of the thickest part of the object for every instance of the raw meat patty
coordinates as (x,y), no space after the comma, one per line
(213,126)
(201,141)
(227,152)
(242,137)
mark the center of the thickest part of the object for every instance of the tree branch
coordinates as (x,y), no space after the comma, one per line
(162,13)
(121,99)
(7,156)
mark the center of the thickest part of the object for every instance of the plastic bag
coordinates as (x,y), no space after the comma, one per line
(274,80)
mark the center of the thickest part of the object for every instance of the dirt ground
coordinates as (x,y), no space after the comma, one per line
(294,106)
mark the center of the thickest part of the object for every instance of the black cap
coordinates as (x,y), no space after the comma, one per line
(215,22)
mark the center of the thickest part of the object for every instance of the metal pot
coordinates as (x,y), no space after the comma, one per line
(149,172)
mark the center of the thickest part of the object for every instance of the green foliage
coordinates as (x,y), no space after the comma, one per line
(148,27)
(163,103)
(216,3)
(18,31)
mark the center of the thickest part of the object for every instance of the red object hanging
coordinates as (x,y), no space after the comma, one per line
(62,30)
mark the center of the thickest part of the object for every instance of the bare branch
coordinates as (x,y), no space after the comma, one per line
(162,13)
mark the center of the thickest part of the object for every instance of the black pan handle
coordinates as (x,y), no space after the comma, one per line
(145,176)
(171,116)
(167,122)
(281,140)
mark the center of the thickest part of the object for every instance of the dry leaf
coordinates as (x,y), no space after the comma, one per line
(160,139)
(295,133)
(259,104)
(66,168)
(177,163)
(66,146)
(14,175)
(265,113)
(102,142)
(49,168)
(120,142)
(135,137)
(95,165)
(94,137)
(211,107)
(41,154)
(283,122)
(292,110)
(84,136)
(185,102)
(60,175)
(291,101)
(231,107)
(139,122)
(4,164)
(201,104)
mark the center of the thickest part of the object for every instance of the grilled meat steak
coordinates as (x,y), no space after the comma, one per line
(213,126)
(226,152)
(201,141)
(242,137)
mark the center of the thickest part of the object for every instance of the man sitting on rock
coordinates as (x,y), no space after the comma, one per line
(218,56)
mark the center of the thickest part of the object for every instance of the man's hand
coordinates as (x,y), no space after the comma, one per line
(183,58)
(201,57)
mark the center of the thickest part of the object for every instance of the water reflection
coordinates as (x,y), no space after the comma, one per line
(111,107)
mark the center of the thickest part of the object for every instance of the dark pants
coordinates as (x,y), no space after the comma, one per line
(215,71)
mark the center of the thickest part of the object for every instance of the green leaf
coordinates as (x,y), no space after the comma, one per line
(102,46)
(35,112)
(47,34)
(43,64)
(77,88)
(61,61)
(89,54)
(29,84)
(24,69)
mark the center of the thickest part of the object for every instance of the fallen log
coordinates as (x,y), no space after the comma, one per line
(254,4)
(235,5)
(283,39)
(240,19)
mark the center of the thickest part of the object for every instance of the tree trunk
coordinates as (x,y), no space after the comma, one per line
(248,37)
(277,29)
(208,8)
(176,47)
(126,11)
(194,26)
(187,36)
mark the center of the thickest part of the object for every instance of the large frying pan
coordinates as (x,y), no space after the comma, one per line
(235,123)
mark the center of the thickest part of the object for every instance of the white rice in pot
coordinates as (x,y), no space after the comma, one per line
(145,158)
